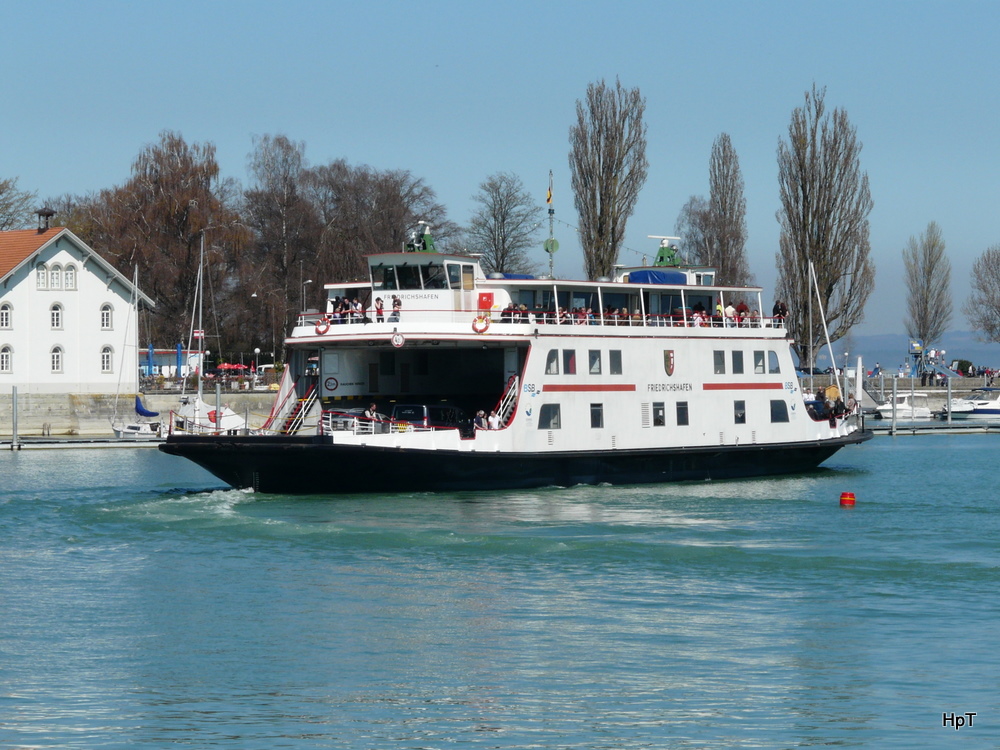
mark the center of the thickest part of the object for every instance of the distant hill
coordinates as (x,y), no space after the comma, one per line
(891,350)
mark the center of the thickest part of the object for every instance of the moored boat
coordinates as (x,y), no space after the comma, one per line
(982,403)
(628,380)
(905,406)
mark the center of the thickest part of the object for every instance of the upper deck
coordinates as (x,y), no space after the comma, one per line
(434,295)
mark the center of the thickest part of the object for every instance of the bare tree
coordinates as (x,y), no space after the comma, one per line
(825,204)
(608,166)
(729,212)
(505,224)
(16,206)
(983,305)
(155,222)
(286,229)
(694,227)
(714,232)
(928,281)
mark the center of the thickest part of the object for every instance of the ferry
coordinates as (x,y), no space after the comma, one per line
(655,375)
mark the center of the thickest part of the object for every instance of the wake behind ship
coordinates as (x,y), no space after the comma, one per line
(656,375)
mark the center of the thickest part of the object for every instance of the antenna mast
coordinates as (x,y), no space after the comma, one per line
(551,244)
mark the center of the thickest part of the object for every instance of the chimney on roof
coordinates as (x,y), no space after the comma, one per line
(44,217)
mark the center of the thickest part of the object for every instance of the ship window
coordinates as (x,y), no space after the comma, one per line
(552,362)
(388,277)
(409,277)
(772,363)
(595,361)
(569,361)
(737,363)
(740,412)
(779,411)
(548,417)
(454,275)
(720,362)
(659,414)
(615,361)
(434,278)
(682,413)
(597,416)
(468,276)
(758,363)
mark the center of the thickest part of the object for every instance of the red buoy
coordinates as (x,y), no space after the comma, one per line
(847,499)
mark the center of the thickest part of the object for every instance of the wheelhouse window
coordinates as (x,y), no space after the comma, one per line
(720,362)
(615,361)
(779,411)
(56,359)
(595,361)
(5,315)
(6,359)
(56,316)
(106,317)
(549,417)
(740,412)
(597,416)
(682,413)
(107,359)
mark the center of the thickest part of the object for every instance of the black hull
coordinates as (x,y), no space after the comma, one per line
(309,465)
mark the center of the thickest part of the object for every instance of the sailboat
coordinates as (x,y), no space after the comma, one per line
(194,415)
(140,426)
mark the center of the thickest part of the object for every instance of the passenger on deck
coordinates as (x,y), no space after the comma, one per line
(479,422)
(494,421)
(379,310)
(372,412)
(397,305)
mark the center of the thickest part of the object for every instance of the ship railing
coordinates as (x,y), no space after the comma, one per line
(480,320)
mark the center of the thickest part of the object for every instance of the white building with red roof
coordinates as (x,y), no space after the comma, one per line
(67,317)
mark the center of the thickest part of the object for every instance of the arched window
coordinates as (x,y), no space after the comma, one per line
(41,277)
(6,359)
(57,359)
(55,313)
(69,277)
(106,318)
(5,315)
(55,277)
(107,359)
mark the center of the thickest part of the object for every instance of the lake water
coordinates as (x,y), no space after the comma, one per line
(143,605)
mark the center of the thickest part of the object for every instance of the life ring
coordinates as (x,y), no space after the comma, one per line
(481,324)
(322,326)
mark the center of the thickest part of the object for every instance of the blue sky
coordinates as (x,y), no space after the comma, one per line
(457,91)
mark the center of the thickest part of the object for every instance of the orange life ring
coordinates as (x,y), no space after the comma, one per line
(481,324)
(322,326)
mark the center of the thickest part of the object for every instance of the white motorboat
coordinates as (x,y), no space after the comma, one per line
(907,406)
(982,403)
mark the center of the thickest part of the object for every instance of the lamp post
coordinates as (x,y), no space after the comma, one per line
(305,283)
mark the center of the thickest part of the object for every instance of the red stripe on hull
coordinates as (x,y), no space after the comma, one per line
(742,386)
(597,388)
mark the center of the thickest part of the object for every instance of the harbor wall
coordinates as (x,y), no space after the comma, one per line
(40,414)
